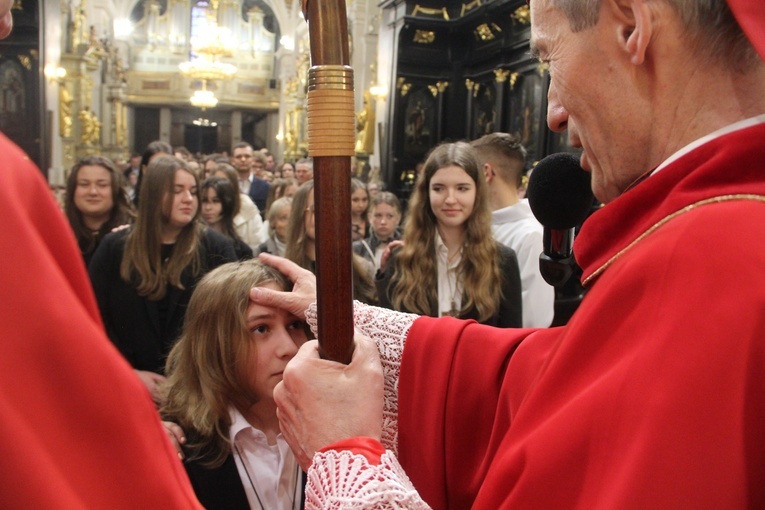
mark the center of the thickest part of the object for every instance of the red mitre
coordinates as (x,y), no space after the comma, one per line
(751,16)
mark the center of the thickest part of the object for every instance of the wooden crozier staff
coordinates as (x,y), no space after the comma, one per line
(331,140)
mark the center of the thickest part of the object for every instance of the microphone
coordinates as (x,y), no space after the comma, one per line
(560,197)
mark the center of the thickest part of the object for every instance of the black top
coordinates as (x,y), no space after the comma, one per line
(220,488)
(144,330)
(242,250)
(259,193)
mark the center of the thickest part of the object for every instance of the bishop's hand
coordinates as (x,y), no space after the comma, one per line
(297,300)
(321,402)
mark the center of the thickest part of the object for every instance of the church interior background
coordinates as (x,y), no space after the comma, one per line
(80,77)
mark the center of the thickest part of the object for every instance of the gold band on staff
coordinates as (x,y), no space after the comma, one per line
(330,108)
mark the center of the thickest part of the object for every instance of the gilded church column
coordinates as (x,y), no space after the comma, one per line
(501,77)
(471,88)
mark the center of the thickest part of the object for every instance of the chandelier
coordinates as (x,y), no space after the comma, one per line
(207,69)
(204,98)
(214,43)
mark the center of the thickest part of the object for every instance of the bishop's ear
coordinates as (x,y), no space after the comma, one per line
(634,27)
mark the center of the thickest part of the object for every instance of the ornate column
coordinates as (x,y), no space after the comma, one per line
(471,88)
(287,66)
(392,22)
(236,128)
(438,93)
(115,142)
(501,77)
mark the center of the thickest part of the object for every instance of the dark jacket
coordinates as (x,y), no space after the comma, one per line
(133,322)
(259,193)
(366,247)
(509,314)
(217,488)
(221,488)
(242,250)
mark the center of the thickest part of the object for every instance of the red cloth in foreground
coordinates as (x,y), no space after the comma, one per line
(653,396)
(78,429)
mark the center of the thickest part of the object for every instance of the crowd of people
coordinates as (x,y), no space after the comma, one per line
(650,397)
(461,215)
(163,255)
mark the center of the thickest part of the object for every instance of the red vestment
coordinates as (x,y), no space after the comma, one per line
(750,15)
(78,429)
(653,396)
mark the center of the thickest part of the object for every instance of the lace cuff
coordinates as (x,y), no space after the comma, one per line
(388,329)
(341,480)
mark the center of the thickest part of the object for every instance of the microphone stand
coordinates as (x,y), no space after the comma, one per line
(558,266)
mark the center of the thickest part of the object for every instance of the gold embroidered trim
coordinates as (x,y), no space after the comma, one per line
(661,222)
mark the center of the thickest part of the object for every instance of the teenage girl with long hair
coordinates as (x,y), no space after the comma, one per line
(449,263)
(301,244)
(143,276)
(359,210)
(247,220)
(220,200)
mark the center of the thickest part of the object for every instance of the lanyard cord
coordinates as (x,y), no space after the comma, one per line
(252,484)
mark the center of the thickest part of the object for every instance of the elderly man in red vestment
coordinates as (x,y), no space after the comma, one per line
(78,429)
(653,395)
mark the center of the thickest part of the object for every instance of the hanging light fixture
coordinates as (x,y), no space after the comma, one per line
(204,98)
(214,43)
(206,69)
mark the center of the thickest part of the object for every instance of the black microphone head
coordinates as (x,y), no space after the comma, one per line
(559,192)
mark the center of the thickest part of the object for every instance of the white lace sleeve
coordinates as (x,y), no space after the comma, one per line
(342,480)
(388,329)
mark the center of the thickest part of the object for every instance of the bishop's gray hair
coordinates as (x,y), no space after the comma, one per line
(714,33)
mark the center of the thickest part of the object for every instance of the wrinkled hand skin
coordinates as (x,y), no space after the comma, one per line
(297,300)
(321,402)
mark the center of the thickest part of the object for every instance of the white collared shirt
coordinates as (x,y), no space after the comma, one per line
(244,185)
(269,473)
(515,227)
(449,285)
